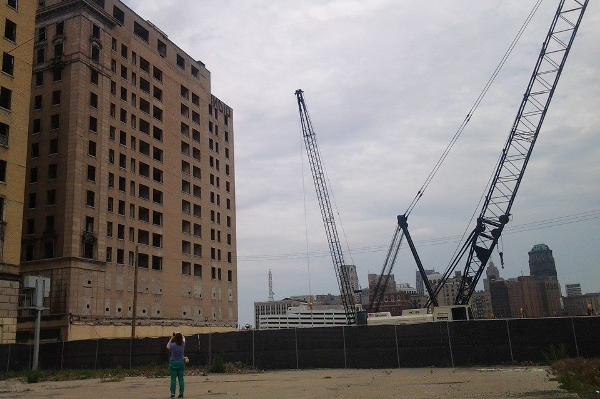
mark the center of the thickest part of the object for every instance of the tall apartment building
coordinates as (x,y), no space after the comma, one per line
(449,291)
(481,303)
(130,161)
(541,261)
(18,20)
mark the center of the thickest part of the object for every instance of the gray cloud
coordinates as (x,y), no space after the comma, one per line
(387,84)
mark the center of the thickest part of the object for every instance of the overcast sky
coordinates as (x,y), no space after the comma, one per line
(387,84)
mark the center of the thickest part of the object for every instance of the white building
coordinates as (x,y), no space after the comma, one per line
(573,289)
(303,316)
(272,308)
(405,287)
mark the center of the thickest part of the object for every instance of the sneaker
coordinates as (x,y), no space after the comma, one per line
(180,395)
(173,395)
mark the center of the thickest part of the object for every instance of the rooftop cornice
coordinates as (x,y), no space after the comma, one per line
(70,6)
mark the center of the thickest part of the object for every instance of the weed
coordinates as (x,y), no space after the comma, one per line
(579,375)
(32,377)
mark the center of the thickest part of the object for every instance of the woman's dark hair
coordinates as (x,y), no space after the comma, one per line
(179,339)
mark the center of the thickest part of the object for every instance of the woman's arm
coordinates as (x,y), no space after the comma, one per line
(169,343)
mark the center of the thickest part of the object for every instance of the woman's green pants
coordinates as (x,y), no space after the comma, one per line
(177,368)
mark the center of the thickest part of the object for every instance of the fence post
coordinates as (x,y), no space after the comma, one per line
(130,350)
(450,343)
(296,339)
(209,349)
(253,349)
(62,355)
(344,338)
(397,350)
(512,358)
(8,360)
(96,361)
(575,336)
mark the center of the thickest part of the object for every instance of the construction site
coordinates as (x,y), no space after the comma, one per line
(115,271)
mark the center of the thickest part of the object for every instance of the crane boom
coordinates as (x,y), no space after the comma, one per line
(318,174)
(495,212)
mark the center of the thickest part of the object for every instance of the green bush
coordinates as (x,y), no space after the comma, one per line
(32,377)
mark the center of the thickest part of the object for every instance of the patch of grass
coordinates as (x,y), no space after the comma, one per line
(579,375)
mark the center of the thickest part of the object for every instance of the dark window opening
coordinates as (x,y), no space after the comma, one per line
(56,97)
(5,98)
(144,65)
(162,48)
(4,132)
(10,30)
(95,54)
(8,64)
(58,49)
(157,262)
(157,73)
(140,31)
(119,14)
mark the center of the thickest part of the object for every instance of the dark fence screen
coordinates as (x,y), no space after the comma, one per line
(441,344)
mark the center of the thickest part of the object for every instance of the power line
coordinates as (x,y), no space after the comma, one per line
(521,228)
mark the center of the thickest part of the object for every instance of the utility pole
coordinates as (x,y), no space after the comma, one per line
(41,289)
(135,284)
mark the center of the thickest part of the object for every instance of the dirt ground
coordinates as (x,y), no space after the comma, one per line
(513,382)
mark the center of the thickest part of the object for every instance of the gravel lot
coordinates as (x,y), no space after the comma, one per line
(509,382)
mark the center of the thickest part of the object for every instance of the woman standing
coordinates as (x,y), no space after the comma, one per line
(176,362)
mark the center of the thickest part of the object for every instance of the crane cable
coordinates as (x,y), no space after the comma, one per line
(305,222)
(467,119)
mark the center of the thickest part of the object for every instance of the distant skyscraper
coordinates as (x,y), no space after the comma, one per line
(541,261)
(354,283)
(492,273)
(573,289)
(352,276)
(419,281)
